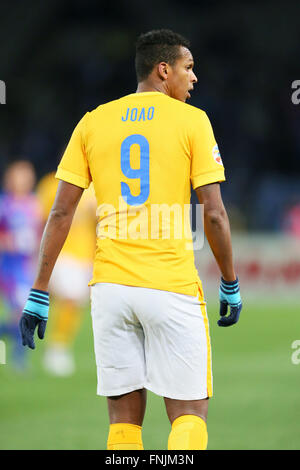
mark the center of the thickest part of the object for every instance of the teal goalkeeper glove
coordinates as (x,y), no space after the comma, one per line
(35,314)
(229,294)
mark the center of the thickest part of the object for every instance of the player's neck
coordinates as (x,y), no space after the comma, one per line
(151,86)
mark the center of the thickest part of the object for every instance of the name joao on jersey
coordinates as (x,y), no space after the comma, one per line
(135,114)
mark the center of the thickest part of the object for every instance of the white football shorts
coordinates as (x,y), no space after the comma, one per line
(153,339)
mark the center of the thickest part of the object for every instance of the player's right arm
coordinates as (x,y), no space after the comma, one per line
(73,171)
(35,313)
(56,231)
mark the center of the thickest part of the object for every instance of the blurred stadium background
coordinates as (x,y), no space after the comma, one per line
(60,59)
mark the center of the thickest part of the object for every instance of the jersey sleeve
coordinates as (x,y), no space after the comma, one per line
(73,167)
(206,163)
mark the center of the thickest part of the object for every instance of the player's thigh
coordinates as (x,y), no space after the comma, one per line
(118,340)
(177,345)
(176,408)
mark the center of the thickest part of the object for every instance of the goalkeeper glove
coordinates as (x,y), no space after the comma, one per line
(229,294)
(35,314)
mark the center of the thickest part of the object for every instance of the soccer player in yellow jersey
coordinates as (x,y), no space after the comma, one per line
(69,280)
(143,152)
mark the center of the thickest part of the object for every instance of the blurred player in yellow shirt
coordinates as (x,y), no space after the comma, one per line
(70,277)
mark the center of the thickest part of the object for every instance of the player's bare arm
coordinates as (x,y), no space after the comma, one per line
(56,231)
(217,228)
(35,313)
(217,231)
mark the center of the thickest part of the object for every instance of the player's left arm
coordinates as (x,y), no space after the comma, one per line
(35,313)
(217,231)
(207,171)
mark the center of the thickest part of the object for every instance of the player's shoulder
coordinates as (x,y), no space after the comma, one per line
(188,108)
(186,112)
(97,115)
(189,116)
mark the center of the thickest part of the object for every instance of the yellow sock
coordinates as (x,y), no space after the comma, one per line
(189,432)
(125,436)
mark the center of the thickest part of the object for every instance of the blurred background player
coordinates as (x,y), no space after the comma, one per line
(20,232)
(69,283)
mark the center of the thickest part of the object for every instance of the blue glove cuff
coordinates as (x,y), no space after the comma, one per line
(230,283)
(37,304)
(230,292)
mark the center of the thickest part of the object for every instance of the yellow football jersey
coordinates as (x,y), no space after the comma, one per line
(143,152)
(81,240)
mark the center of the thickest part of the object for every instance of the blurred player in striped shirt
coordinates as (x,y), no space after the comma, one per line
(20,233)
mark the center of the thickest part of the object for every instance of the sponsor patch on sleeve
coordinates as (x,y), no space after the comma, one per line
(216,155)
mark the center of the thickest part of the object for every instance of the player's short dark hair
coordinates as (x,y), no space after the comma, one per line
(161,45)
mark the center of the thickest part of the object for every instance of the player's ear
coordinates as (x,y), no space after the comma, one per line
(163,70)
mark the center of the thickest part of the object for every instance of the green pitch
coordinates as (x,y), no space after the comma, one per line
(255,403)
